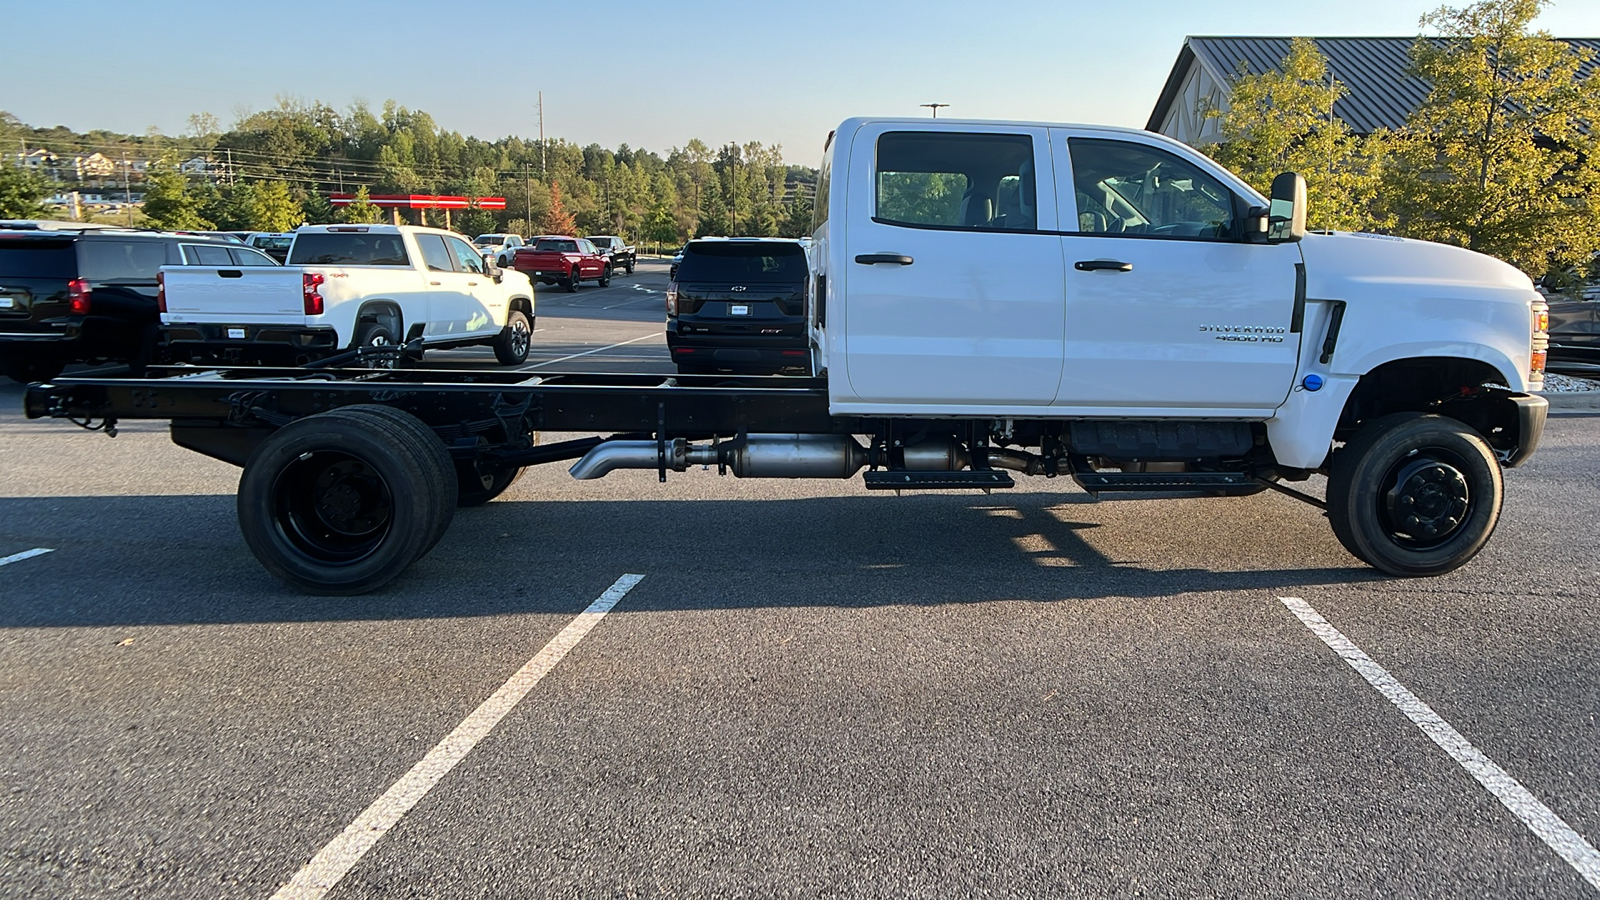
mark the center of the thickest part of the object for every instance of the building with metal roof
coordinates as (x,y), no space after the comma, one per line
(1380,92)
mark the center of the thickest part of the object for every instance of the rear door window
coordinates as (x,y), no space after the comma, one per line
(204,255)
(755,262)
(244,256)
(346,249)
(114,262)
(435,255)
(947,180)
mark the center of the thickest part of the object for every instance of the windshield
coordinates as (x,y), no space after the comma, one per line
(484,240)
(557,246)
(604,243)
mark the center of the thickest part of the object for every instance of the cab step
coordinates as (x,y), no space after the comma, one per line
(900,480)
(1205,482)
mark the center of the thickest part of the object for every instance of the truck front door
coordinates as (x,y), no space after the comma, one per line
(1168,307)
(953,269)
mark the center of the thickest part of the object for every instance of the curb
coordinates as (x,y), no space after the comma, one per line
(1573,400)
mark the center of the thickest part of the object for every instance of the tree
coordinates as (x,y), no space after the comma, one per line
(169,205)
(316,209)
(1283,121)
(1503,155)
(20,193)
(272,208)
(475,222)
(360,211)
(557,220)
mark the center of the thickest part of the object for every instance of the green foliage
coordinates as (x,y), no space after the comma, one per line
(169,205)
(1497,159)
(20,193)
(474,222)
(1282,121)
(272,208)
(317,209)
(361,211)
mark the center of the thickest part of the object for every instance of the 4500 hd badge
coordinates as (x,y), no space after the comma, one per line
(1247,334)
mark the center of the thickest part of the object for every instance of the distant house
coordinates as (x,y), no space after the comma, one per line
(199,165)
(95,165)
(1379,92)
(37,160)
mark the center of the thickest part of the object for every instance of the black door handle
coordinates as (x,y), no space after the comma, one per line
(899,259)
(1102,265)
(229,273)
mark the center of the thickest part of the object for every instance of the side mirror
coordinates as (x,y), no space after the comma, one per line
(493,271)
(1286,218)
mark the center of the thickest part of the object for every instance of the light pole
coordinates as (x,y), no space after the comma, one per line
(935,107)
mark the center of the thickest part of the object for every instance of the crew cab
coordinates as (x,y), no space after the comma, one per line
(986,299)
(497,249)
(348,286)
(88,294)
(619,253)
(564,260)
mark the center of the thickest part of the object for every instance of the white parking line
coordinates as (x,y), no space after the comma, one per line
(334,861)
(26,554)
(1540,819)
(551,362)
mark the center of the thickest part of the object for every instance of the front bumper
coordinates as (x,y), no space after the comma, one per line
(1532,411)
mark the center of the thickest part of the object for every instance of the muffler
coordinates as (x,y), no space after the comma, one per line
(753,456)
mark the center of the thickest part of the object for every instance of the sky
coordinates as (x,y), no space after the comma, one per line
(649,74)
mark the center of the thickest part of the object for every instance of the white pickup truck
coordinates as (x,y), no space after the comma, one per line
(346,287)
(986,299)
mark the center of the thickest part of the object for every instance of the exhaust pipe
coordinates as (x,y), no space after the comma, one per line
(755,456)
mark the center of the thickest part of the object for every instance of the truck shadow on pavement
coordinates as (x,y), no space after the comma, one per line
(180,560)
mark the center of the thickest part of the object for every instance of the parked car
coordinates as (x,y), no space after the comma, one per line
(739,304)
(619,253)
(90,295)
(1574,336)
(564,260)
(348,287)
(498,248)
(275,245)
(677,259)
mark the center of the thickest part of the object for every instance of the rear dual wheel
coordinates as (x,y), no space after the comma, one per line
(1413,494)
(342,502)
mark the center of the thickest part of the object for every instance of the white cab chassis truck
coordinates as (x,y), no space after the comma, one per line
(988,300)
(347,288)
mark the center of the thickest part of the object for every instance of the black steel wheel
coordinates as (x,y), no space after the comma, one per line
(631,264)
(342,502)
(512,345)
(377,336)
(1413,494)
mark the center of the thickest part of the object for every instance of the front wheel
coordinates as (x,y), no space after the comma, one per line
(605,277)
(511,346)
(631,264)
(1414,494)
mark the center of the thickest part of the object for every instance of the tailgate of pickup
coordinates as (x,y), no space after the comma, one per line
(218,294)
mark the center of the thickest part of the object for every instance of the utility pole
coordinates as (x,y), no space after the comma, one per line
(542,175)
(127,188)
(936,107)
(527,179)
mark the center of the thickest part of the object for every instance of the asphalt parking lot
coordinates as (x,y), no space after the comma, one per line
(808,690)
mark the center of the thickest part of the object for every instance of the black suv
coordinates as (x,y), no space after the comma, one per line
(739,304)
(90,296)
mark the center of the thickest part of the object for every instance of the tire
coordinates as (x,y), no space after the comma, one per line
(572,282)
(478,484)
(148,353)
(443,469)
(512,344)
(1414,494)
(341,502)
(376,334)
(630,266)
(27,369)
(605,277)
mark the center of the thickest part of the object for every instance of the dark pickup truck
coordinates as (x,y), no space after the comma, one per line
(92,295)
(564,260)
(618,252)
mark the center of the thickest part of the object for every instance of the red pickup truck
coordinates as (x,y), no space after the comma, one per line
(560,259)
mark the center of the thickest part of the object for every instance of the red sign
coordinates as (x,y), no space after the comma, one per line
(422,201)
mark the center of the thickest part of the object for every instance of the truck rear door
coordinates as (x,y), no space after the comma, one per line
(1167,306)
(953,268)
